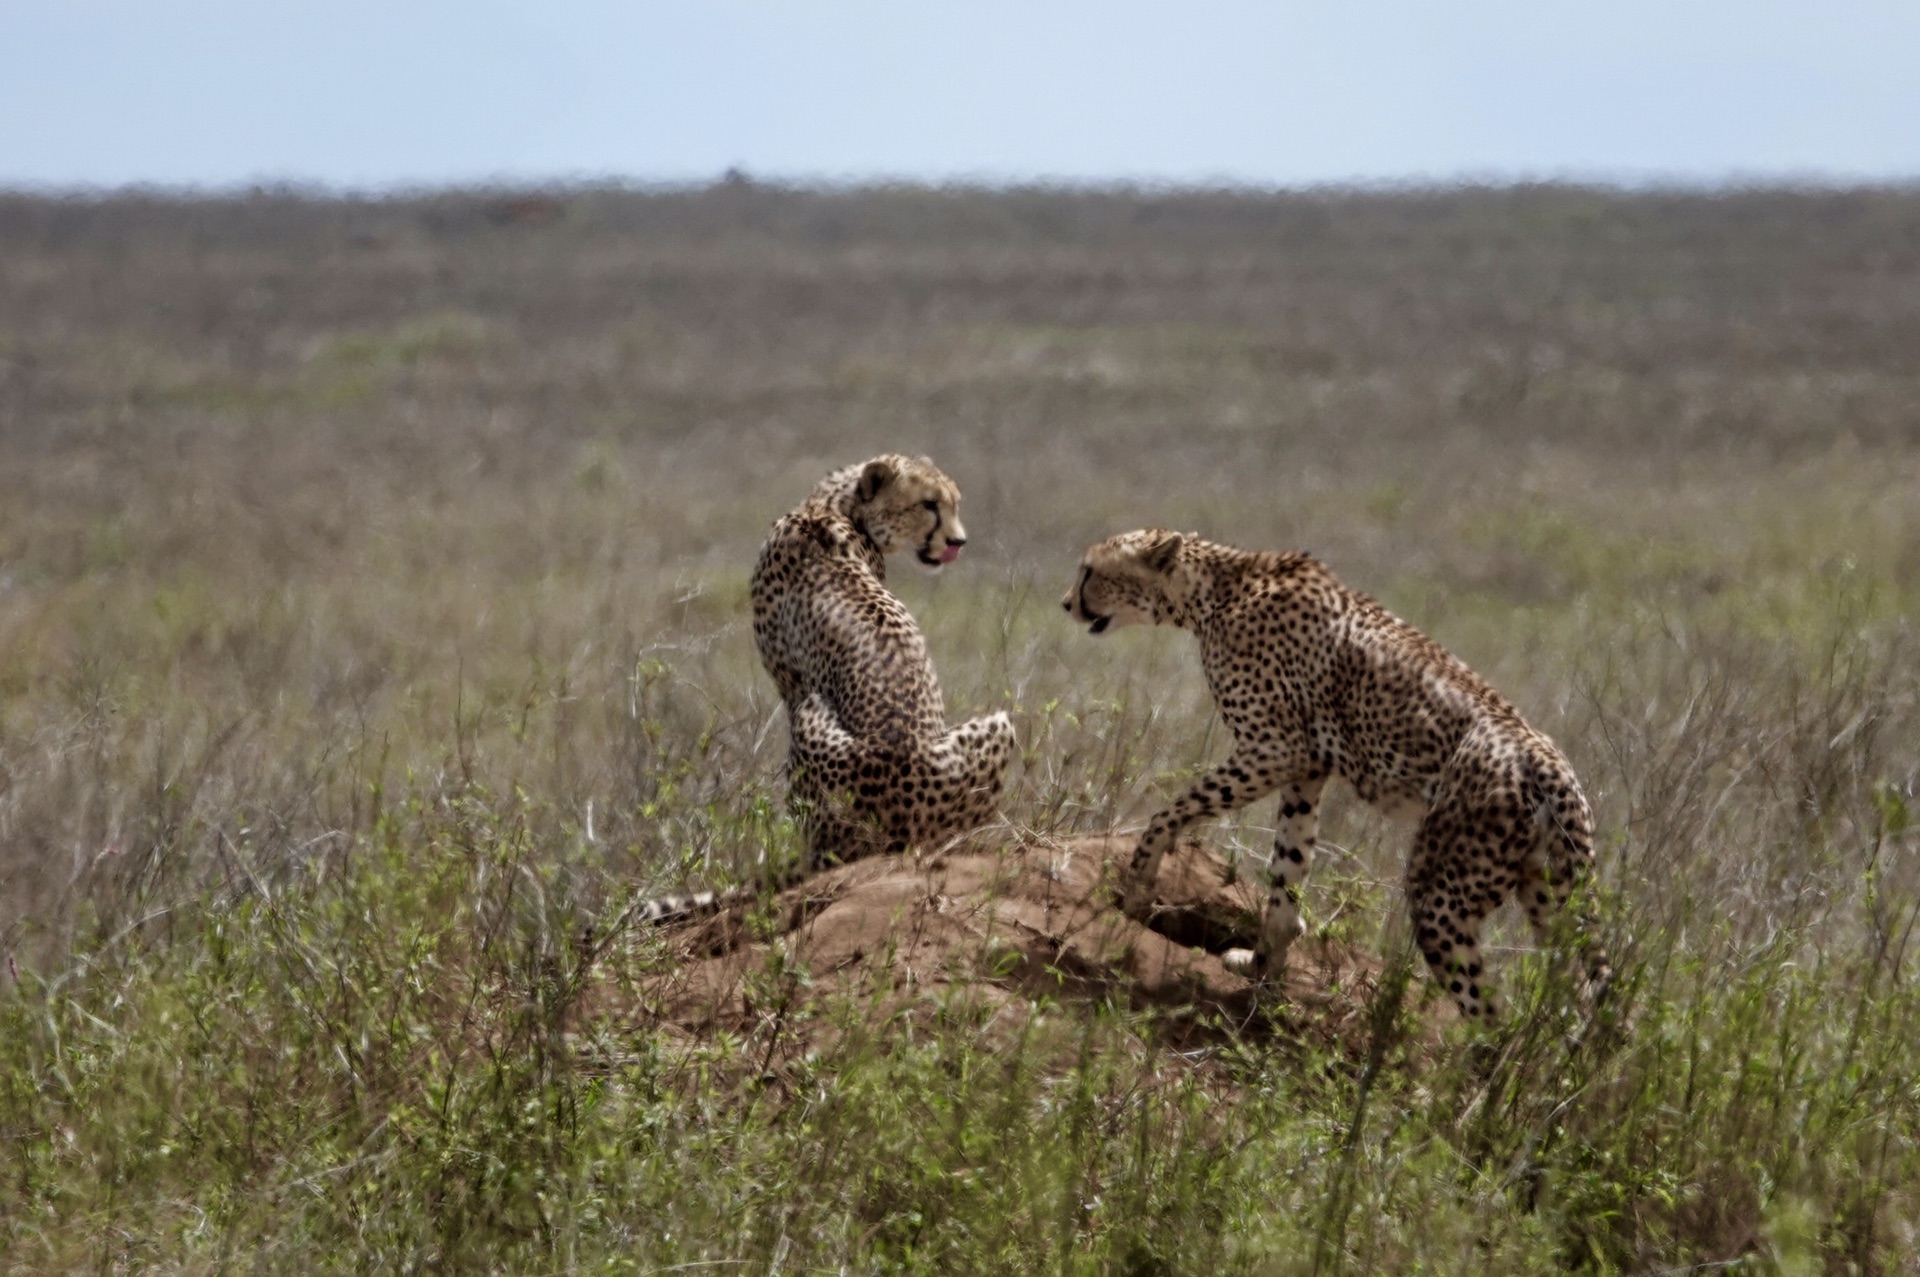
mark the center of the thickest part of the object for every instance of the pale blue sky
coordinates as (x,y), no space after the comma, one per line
(372,93)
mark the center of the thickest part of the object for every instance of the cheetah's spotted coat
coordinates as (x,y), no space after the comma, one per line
(873,766)
(1316,680)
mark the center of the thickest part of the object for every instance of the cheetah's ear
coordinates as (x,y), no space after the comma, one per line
(877,475)
(1162,553)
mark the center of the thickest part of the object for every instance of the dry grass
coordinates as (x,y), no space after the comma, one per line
(370,601)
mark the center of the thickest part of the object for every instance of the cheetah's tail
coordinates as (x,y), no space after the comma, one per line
(659,911)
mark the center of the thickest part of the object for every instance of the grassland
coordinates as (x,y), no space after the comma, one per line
(371,582)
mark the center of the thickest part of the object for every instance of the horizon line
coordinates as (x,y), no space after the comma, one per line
(1615,182)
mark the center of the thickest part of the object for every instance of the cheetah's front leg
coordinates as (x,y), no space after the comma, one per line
(1296,836)
(1232,785)
(824,768)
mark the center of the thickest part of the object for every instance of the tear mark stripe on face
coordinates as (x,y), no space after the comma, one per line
(1076,604)
(928,555)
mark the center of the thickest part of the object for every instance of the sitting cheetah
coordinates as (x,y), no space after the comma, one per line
(872,766)
(1316,680)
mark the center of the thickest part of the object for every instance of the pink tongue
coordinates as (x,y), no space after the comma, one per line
(949,554)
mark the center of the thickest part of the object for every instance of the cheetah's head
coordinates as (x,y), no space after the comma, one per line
(1135,578)
(907,503)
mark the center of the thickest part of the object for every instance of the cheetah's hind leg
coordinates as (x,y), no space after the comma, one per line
(1450,895)
(968,768)
(1559,904)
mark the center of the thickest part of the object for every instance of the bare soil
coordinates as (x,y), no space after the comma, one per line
(1011,926)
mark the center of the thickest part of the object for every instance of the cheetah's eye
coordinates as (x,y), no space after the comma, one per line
(932,505)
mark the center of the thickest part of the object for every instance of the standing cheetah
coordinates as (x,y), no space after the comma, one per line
(1316,680)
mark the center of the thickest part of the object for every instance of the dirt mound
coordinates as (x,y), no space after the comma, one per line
(1009,926)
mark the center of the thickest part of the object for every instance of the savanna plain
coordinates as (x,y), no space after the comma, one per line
(373,634)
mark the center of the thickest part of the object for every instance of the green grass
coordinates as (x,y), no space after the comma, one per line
(375,1063)
(379,1045)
